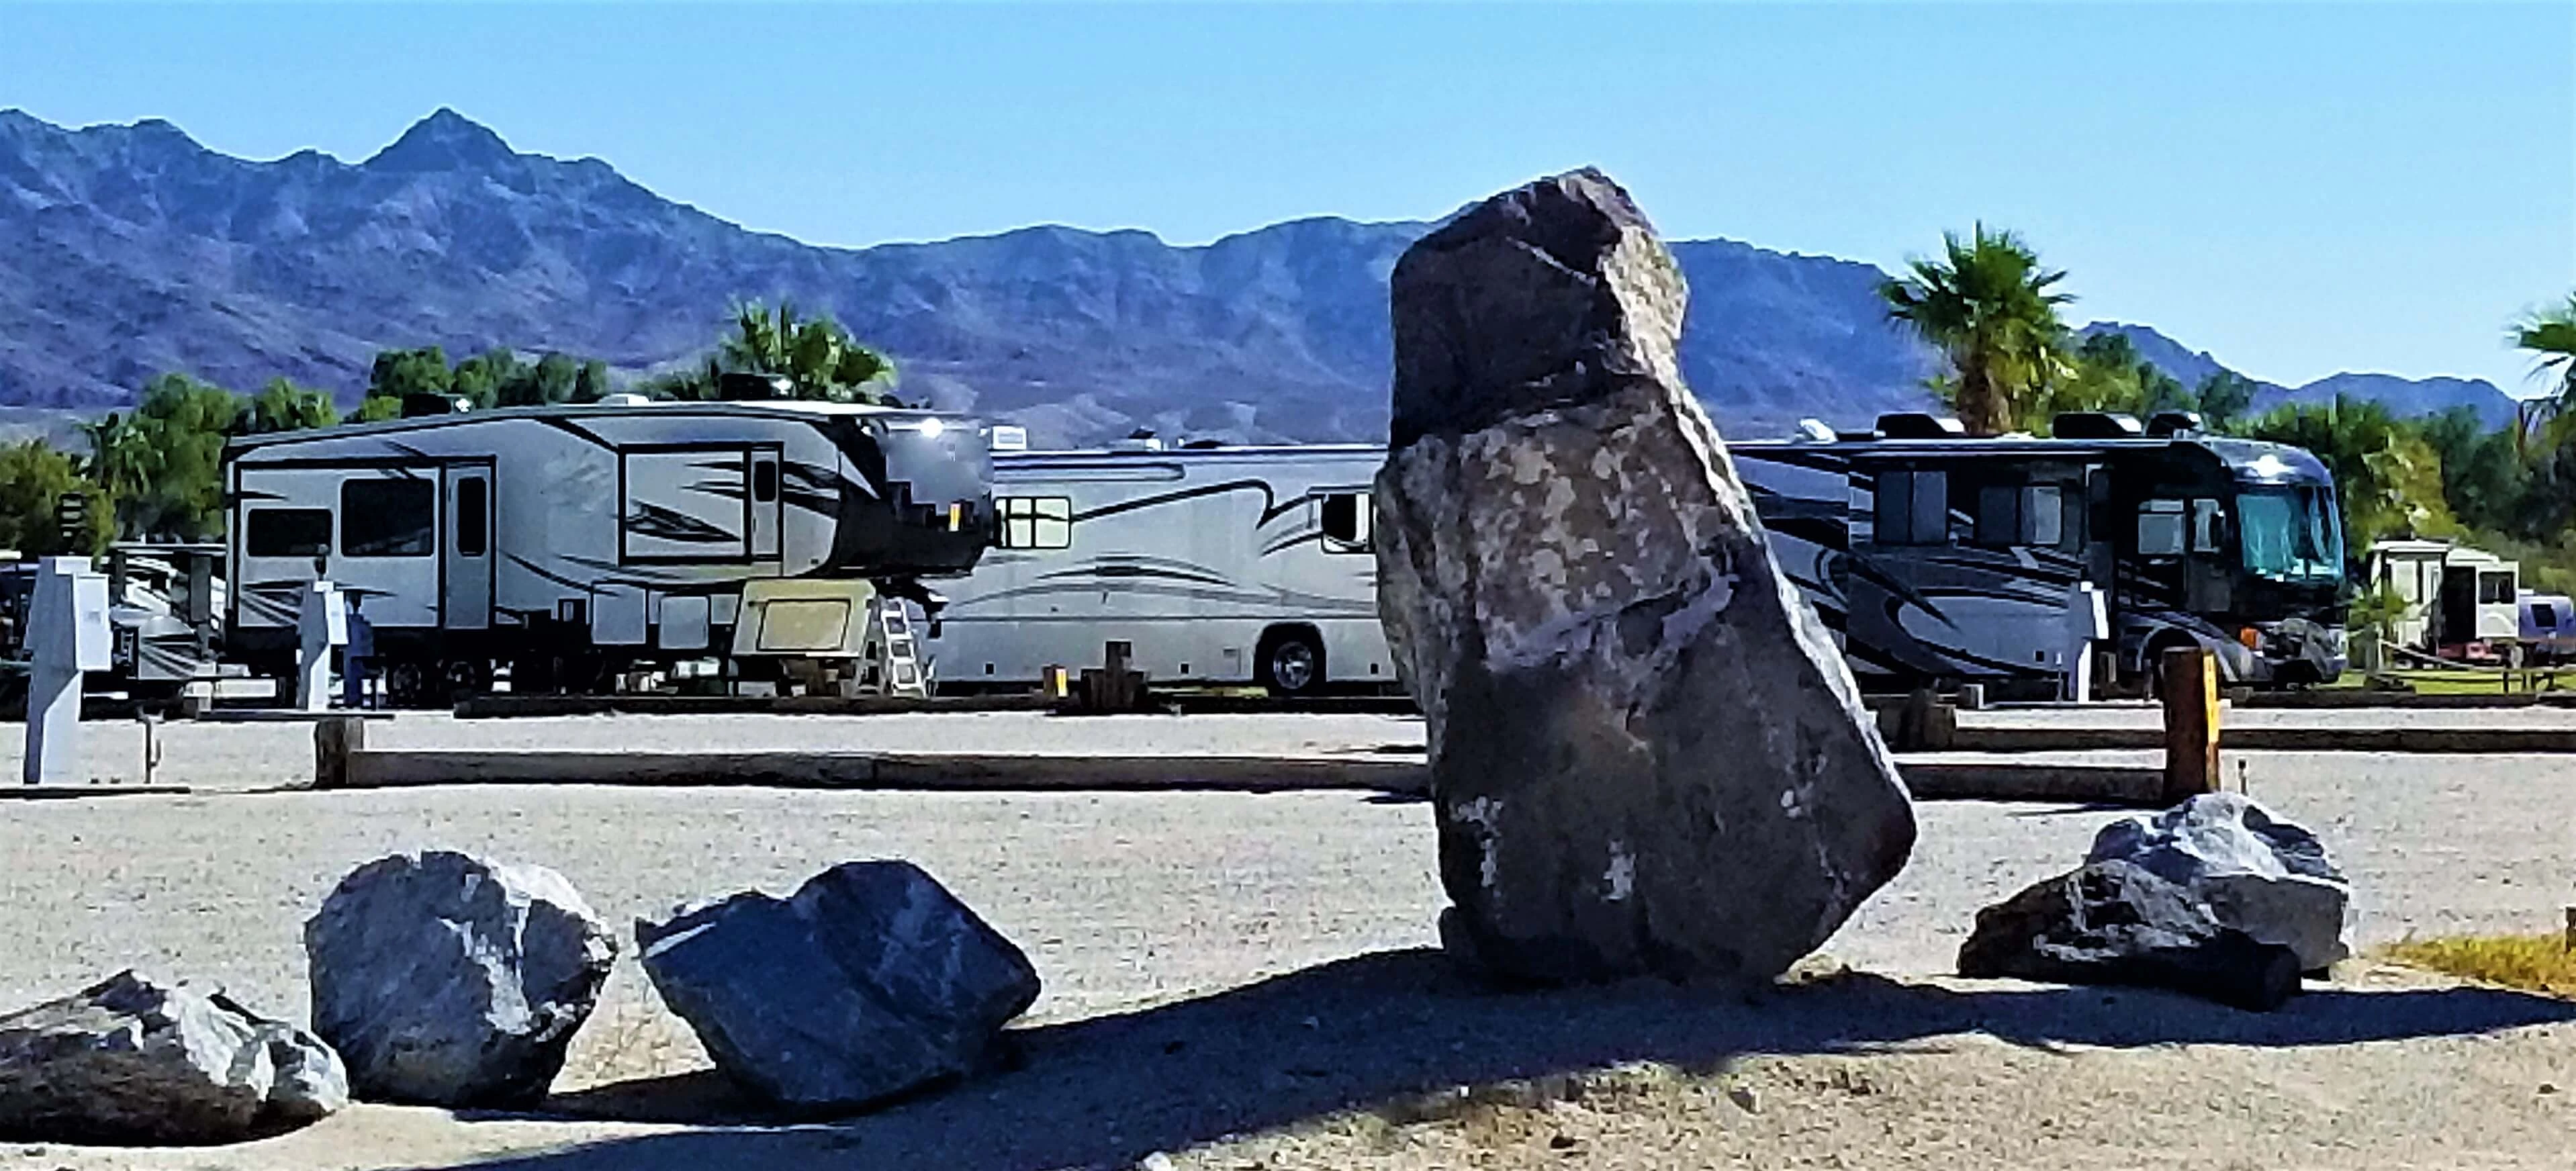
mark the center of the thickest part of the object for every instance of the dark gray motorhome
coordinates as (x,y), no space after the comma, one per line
(569,542)
(1935,557)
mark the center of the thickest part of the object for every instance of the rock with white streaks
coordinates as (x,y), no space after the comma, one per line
(2266,877)
(135,1061)
(1647,755)
(449,980)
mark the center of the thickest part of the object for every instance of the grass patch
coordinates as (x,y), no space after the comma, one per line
(2462,682)
(2539,963)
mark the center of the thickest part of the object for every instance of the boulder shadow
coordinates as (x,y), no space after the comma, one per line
(1377,1030)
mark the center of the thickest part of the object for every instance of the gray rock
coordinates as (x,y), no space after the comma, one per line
(139,1061)
(449,980)
(871,981)
(1647,755)
(2116,922)
(2264,876)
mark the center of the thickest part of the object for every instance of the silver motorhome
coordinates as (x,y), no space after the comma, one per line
(1218,565)
(569,542)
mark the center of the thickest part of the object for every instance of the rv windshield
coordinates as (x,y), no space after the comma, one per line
(2291,533)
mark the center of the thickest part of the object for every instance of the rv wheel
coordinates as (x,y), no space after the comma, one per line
(407,686)
(467,678)
(1292,662)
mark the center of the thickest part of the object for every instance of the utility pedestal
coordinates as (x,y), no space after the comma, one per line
(323,623)
(2088,623)
(67,634)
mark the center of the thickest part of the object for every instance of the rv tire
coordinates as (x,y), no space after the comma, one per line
(1291,660)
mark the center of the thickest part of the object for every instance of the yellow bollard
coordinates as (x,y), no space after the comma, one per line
(2191,723)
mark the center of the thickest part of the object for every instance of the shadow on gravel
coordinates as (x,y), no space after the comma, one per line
(1366,1031)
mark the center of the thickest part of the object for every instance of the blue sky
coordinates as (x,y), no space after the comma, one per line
(2300,188)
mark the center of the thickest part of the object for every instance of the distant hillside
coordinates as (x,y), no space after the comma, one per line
(2403,396)
(135,250)
(132,250)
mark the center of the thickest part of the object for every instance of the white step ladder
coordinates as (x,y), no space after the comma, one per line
(890,663)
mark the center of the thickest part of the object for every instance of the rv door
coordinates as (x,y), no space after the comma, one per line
(387,554)
(469,547)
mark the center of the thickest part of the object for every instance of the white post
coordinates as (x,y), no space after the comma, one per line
(67,635)
(2088,620)
(323,623)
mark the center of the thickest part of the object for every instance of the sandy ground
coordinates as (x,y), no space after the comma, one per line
(1242,980)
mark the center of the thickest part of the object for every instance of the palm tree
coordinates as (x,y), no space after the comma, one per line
(121,463)
(1987,307)
(2550,336)
(819,358)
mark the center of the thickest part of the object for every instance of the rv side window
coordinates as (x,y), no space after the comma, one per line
(1998,515)
(2495,589)
(764,481)
(473,517)
(1036,522)
(2544,616)
(2204,526)
(2160,528)
(388,518)
(287,532)
(1913,508)
(2043,515)
(1346,522)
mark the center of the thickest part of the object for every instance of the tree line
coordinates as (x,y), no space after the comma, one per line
(155,472)
(1989,306)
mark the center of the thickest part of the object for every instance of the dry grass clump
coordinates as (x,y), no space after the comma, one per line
(2539,963)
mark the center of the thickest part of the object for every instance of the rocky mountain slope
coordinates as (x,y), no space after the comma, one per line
(2405,396)
(132,250)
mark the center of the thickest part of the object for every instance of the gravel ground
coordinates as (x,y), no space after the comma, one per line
(1156,919)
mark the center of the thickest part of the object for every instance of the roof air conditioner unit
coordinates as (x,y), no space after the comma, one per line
(1920,425)
(2095,425)
(2164,423)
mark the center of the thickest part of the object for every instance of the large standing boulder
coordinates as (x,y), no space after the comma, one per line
(2264,876)
(2117,922)
(871,981)
(138,1061)
(449,980)
(1647,755)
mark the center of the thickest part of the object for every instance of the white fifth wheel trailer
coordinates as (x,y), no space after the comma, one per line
(570,542)
(1218,564)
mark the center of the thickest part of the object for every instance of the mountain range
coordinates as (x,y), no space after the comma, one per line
(133,250)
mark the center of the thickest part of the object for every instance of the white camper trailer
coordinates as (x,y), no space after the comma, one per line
(1218,564)
(569,542)
(2455,597)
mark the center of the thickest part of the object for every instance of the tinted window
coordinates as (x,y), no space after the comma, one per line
(2160,528)
(287,532)
(1346,522)
(2204,526)
(1998,515)
(388,518)
(764,481)
(1895,507)
(1931,508)
(2043,516)
(1913,508)
(473,517)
